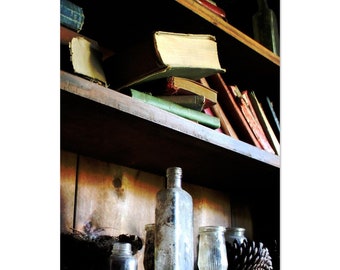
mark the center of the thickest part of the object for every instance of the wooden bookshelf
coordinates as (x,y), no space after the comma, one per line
(101,123)
(106,124)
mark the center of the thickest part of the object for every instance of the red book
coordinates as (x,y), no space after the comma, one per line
(217,110)
(244,104)
(212,7)
(228,103)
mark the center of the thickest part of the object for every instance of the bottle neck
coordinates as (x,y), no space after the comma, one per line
(173,177)
(121,249)
(262,4)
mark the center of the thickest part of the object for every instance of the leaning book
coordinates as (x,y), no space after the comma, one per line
(161,55)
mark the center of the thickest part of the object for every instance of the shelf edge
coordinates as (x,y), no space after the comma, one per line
(229,29)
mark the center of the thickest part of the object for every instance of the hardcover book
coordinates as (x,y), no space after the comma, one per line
(252,121)
(230,107)
(209,111)
(217,110)
(161,55)
(71,15)
(195,102)
(86,60)
(265,123)
(179,86)
(268,107)
(199,117)
(212,6)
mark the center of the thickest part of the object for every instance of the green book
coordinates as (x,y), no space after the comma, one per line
(200,117)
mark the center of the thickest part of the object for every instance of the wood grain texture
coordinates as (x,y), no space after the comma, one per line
(68,166)
(122,200)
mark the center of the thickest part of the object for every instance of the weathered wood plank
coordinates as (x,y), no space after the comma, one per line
(68,165)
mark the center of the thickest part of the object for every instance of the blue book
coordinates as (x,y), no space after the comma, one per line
(71,15)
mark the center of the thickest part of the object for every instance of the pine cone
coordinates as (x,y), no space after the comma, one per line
(248,256)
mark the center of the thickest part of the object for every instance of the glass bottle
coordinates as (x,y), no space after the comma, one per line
(235,233)
(149,249)
(122,258)
(212,250)
(174,238)
(265,27)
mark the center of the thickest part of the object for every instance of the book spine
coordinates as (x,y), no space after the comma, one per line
(209,111)
(200,117)
(254,125)
(271,108)
(225,124)
(229,105)
(71,15)
(214,8)
(265,123)
(194,102)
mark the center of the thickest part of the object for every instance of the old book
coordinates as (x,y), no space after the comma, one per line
(71,15)
(230,107)
(252,121)
(209,111)
(212,6)
(178,86)
(264,122)
(161,55)
(200,117)
(268,107)
(195,102)
(217,110)
(86,60)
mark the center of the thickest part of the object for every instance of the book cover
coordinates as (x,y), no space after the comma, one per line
(230,107)
(161,55)
(217,110)
(253,123)
(86,59)
(200,117)
(212,6)
(264,122)
(268,107)
(195,102)
(178,86)
(209,111)
(71,15)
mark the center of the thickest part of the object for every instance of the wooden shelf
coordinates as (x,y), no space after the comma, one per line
(229,29)
(105,124)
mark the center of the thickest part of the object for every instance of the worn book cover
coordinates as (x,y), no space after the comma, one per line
(199,117)
(268,107)
(195,102)
(230,107)
(217,110)
(179,86)
(161,55)
(252,121)
(265,123)
(86,59)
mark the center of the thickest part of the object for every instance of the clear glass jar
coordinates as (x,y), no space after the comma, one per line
(235,233)
(174,238)
(212,250)
(149,249)
(122,258)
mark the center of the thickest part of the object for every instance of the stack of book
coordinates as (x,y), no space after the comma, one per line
(164,70)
